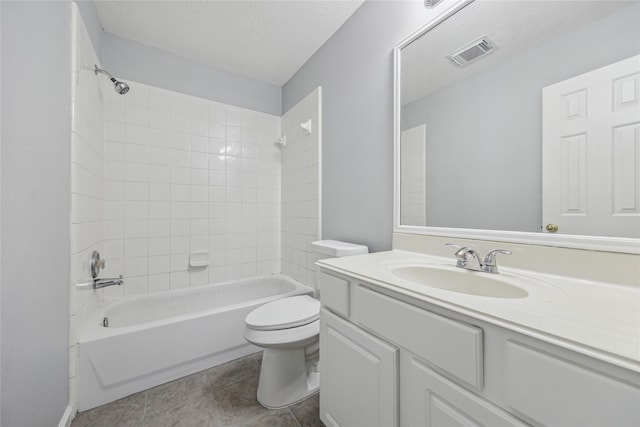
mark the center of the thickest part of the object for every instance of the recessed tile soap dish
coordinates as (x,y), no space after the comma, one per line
(199,259)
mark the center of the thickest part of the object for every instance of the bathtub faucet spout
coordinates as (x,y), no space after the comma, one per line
(102,283)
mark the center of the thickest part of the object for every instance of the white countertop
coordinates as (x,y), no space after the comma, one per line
(597,319)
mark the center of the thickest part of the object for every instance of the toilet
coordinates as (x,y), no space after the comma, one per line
(288,331)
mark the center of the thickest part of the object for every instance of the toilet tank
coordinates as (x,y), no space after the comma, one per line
(323,249)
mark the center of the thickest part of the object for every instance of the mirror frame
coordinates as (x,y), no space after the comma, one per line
(599,243)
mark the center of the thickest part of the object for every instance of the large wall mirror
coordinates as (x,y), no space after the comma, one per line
(520,121)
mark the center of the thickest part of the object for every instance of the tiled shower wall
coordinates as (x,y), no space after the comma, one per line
(301,188)
(87,175)
(185,175)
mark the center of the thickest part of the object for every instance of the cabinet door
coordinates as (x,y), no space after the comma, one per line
(429,399)
(358,376)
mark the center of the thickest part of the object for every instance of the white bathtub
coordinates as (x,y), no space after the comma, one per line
(160,337)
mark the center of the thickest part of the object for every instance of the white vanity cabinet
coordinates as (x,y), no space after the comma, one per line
(359,375)
(430,399)
(388,358)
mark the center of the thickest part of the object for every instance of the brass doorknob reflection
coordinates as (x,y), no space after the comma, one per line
(551,228)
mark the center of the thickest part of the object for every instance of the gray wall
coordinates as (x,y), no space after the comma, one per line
(92,23)
(484,134)
(127,59)
(36,91)
(355,70)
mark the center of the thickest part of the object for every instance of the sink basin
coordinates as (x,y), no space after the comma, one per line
(455,279)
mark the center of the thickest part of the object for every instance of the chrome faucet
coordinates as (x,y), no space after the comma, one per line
(469,259)
(103,283)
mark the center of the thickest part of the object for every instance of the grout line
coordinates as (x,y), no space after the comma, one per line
(144,408)
(293,415)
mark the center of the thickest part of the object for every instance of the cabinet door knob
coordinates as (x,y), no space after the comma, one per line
(552,228)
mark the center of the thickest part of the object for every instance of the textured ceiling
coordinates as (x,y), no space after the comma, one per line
(514,26)
(266,40)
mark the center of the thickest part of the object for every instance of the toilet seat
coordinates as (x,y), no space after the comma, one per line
(285,313)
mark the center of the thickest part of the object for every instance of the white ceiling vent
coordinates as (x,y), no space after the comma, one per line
(472,51)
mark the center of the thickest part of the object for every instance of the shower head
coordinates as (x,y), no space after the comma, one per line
(120,87)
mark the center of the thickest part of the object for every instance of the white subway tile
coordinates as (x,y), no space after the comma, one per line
(159,192)
(136,228)
(179,279)
(159,228)
(136,134)
(180,210)
(234,225)
(199,227)
(234,116)
(134,267)
(179,262)
(136,172)
(159,174)
(138,95)
(234,256)
(159,264)
(199,210)
(199,143)
(217,145)
(135,286)
(199,177)
(217,274)
(198,277)
(180,175)
(217,225)
(180,158)
(136,191)
(136,115)
(199,127)
(136,248)
(234,271)
(199,109)
(136,210)
(217,178)
(179,244)
(199,160)
(159,156)
(160,138)
(159,99)
(217,112)
(180,192)
(159,246)
(159,282)
(217,131)
(179,227)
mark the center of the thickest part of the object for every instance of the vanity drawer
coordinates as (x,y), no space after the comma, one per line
(334,293)
(549,390)
(450,346)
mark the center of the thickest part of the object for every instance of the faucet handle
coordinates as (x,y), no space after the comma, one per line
(489,264)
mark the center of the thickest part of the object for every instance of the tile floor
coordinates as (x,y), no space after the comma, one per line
(220,396)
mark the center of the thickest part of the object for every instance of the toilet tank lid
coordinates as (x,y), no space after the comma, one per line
(336,248)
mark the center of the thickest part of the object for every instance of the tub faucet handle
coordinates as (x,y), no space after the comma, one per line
(97,263)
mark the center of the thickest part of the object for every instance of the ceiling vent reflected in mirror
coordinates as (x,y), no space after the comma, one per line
(472,51)
(430,4)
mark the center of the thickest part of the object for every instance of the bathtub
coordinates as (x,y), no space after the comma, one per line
(152,339)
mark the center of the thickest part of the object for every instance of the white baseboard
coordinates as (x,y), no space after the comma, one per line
(67,417)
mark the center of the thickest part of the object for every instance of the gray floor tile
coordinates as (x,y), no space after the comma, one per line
(221,396)
(232,372)
(307,412)
(270,418)
(127,412)
(237,402)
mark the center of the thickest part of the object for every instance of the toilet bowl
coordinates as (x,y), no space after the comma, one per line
(288,330)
